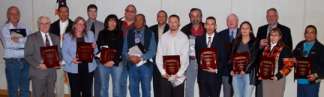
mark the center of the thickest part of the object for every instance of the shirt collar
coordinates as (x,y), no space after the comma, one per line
(140,30)
(11,26)
(232,30)
(91,21)
(212,36)
(65,22)
(161,26)
(43,33)
(273,44)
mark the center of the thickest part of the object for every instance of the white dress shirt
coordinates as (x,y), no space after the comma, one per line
(44,38)
(63,26)
(211,38)
(173,45)
(161,30)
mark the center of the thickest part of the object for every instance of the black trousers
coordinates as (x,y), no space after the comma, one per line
(81,84)
(156,81)
(167,90)
(209,84)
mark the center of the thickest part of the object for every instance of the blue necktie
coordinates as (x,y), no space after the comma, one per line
(231,36)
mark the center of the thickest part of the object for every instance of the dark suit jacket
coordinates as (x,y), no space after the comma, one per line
(33,56)
(262,34)
(224,34)
(217,43)
(316,54)
(55,27)
(155,29)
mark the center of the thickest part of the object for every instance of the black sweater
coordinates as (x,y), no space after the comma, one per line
(113,39)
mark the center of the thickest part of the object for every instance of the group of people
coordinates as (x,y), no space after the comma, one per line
(24,63)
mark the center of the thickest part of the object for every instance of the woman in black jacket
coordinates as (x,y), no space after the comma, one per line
(111,38)
(310,51)
(241,59)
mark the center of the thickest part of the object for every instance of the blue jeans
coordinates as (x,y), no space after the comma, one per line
(308,90)
(140,76)
(96,81)
(123,79)
(191,75)
(17,74)
(241,86)
(104,73)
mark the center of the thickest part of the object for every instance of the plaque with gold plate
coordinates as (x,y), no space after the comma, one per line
(240,60)
(85,52)
(107,54)
(267,66)
(303,67)
(208,58)
(171,64)
(50,56)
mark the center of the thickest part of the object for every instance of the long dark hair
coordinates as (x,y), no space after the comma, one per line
(112,17)
(79,18)
(239,37)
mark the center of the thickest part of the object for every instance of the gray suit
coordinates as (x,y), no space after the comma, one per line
(98,27)
(43,81)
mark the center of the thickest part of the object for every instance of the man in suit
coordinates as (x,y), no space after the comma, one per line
(42,78)
(59,27)
(194,29)
(272,19)
(94,26)
(92,23)
(141,67)
(210,80)
(158,30)
(229,35)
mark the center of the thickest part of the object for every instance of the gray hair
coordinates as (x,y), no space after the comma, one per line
(234,15)
(42,17)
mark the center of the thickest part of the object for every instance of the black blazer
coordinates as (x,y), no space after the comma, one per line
(155,29)
(55,27)
(262,34)
(217,43)
(316,54)
(224,34)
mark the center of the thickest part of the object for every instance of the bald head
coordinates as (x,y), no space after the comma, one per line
(232,21)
